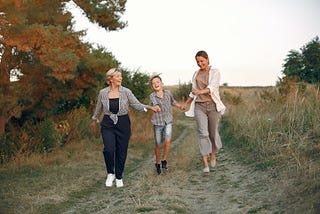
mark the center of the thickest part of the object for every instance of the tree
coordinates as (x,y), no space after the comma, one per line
(51,64)
(304,65)
(138,82)
(311,61)
(106,13)
(294,64)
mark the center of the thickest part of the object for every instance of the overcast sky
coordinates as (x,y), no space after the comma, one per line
(247,40)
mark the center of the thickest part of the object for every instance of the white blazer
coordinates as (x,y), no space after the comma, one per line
(213,86)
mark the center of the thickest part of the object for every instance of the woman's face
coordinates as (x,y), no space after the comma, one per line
(116,79)
(202,62)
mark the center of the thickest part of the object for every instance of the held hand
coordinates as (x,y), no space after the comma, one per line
(158,108)
(184,107)
(155,108)
(93,125)
(181,107)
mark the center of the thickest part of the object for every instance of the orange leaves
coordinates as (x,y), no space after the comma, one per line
(57,49)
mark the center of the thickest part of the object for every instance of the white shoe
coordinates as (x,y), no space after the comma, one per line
(119,183)
(110,180)
(206,169)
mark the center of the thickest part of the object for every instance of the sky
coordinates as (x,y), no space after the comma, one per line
(247,40)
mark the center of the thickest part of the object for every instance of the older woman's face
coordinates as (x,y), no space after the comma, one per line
(202,62)
(116,78)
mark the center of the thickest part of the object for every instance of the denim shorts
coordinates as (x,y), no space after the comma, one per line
(162,132)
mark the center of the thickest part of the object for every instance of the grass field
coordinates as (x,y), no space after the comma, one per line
(277,135)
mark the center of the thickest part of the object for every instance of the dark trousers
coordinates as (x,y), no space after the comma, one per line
(115,139)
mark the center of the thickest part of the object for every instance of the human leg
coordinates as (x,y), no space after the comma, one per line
(204,159)
(108,137)
(213,123)
(203,134)
(123,133)
(158,152)
(167,143)
(213,158)
(158,137)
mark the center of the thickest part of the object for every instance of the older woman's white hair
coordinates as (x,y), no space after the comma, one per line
(110,73)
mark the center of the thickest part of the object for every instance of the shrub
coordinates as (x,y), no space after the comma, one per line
(49,136)
(78,122)
(183,91)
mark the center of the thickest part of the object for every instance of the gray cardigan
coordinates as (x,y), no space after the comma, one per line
(126,99)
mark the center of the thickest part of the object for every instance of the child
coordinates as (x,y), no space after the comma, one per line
(162,120)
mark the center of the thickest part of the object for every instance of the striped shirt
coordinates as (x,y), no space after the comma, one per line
(165,115)
(126,99)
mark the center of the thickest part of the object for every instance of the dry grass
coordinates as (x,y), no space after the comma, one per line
(282,127)
(277,132)
(36,182)
(280,135)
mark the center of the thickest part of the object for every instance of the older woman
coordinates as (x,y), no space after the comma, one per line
(114,101)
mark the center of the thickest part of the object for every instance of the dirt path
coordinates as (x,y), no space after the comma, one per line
(230,188)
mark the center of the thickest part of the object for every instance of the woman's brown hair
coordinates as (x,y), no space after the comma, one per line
(203,54)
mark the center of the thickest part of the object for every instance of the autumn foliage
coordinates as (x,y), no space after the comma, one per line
(45,68)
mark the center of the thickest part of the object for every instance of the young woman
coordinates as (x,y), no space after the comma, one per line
(113,102)
(207,108)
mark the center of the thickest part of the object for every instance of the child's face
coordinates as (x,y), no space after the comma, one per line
(156,84)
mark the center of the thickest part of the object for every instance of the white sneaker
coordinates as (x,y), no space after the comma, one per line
(119,183)
(110,180)
(206,169)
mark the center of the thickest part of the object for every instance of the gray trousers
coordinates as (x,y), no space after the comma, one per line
(207,119)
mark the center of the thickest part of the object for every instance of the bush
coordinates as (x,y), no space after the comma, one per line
(6,149)
(78,125)
(49,136)
(182,93)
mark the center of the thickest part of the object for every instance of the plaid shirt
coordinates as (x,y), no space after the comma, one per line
(165,115)
(126,98)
